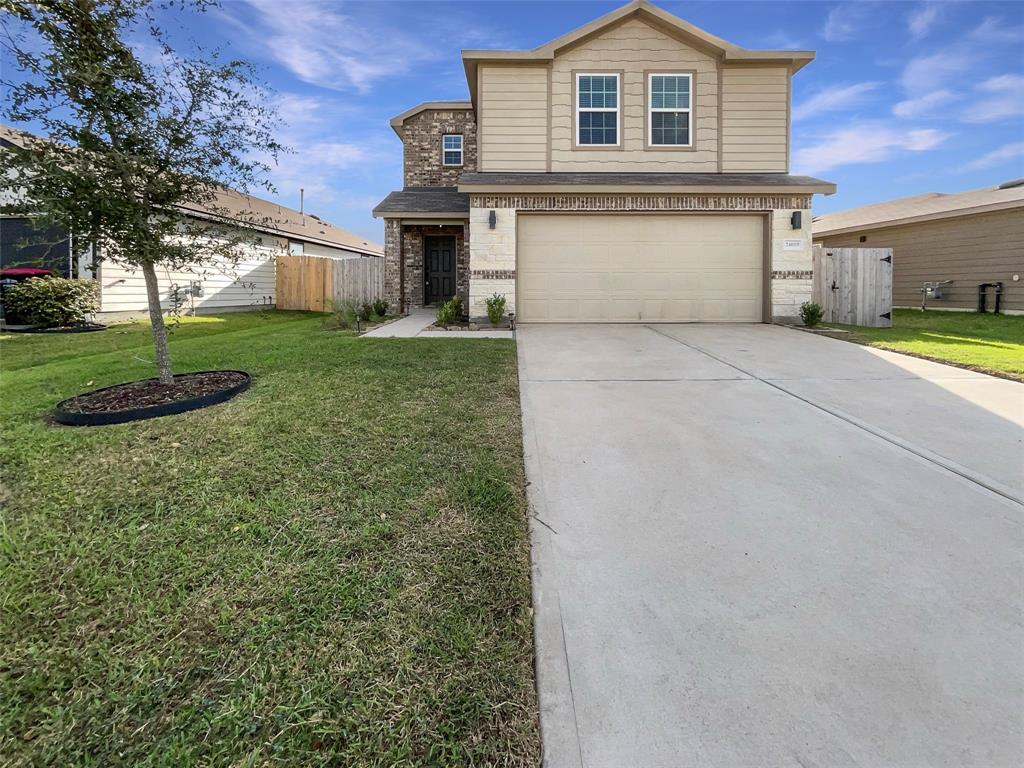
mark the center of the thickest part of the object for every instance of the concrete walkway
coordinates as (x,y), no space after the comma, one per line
(416,323)
(758,547)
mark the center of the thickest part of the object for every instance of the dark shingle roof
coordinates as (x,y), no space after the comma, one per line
(780,180)
(424,200)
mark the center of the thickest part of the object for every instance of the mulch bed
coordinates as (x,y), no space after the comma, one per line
(150,392)
(77,328)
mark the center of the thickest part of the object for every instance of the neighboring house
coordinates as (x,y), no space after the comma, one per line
(969,238)
(215,286)
(635,169)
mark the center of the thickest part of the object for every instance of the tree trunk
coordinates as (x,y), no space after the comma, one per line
(156,318)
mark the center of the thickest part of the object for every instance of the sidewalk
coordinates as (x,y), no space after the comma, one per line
(416,323)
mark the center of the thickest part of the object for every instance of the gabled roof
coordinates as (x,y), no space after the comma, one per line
(927,207)
(424,202)
(257,213)
(398,120)
(642,9)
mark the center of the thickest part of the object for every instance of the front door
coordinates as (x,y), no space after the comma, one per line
(439,272)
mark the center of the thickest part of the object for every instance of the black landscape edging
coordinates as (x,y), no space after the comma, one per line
(77,419)
(82,328)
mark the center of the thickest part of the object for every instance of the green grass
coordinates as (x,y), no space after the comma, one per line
(331,569)
(990,343)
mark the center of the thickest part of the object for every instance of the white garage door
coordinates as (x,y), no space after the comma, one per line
(640,268)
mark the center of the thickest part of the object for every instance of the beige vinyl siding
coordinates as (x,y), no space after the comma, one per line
(755,119)
(513,121)
(634,48)
(315,249)
(983,248)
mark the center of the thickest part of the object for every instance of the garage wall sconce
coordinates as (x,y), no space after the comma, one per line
(796,221)
(492,219)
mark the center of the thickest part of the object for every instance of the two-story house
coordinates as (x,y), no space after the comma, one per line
(635,169)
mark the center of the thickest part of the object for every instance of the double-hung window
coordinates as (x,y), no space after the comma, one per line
(451,149)
(670,121)
(597,110)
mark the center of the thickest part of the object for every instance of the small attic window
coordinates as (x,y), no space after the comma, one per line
(451,149)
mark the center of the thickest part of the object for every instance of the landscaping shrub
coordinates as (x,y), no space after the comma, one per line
(343,316)
(52,302)
(380,308)
(495,308)
(366,312)
(449,312)
(810,313)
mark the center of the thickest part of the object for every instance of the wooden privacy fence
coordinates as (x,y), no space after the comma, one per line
(317,284)
(854,285)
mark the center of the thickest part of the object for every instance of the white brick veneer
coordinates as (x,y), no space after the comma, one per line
(495,249)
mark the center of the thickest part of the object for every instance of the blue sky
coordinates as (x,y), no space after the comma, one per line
(904,97)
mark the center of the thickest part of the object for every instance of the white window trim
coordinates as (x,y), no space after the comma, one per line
(651,110)
(616,109)
(461,150)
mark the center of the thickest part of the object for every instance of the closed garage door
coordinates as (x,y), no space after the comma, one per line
(640,268)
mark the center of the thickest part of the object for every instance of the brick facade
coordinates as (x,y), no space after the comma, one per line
(403,262)
(422,147)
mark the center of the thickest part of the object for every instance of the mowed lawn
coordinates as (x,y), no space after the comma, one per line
(331,569)
(990,343)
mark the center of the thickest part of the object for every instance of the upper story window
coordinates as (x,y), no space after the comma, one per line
(597,110)
(451,149)
(669,122)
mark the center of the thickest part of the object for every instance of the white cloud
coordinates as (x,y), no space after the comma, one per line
(994,30)
(924,105)
(1006,100)
(320,44)
(921,20)
(844,22)
(832,99)
(925,74)
(999,156)
(866,142)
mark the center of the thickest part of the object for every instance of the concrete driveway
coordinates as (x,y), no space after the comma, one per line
(758,547)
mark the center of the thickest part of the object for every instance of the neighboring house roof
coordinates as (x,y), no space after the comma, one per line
(398,120)
(927,207)
(425,202)
(257,213)
(663,20)
(273,218)
(663,182)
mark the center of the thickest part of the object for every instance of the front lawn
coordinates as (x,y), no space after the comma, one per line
(331,569)
(990,343)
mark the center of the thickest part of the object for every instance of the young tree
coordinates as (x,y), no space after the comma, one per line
(131,142)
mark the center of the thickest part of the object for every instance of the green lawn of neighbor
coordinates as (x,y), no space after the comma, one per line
(990,343)
(330,569)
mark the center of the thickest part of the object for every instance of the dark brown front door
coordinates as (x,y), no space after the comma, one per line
(439,272)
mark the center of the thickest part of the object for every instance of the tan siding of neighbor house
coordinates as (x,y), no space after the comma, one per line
(513,119)
(755,119)
(969,250)
(634,48)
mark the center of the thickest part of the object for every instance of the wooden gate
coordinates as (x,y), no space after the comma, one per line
(316,283)
(854,285)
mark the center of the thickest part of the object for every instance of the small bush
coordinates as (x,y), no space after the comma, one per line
(380,308)
(810,313)
(366,312)
(449,312)
(52,302)
(495,308)
(343,316)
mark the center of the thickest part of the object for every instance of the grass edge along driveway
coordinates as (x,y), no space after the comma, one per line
(987,343)
(331,569)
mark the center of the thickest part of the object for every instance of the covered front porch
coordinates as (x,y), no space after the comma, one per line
(426,247)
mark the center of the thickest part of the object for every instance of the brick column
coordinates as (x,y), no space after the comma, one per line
(393,264)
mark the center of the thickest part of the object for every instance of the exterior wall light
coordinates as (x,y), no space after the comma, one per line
(492,219)
(797,219)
